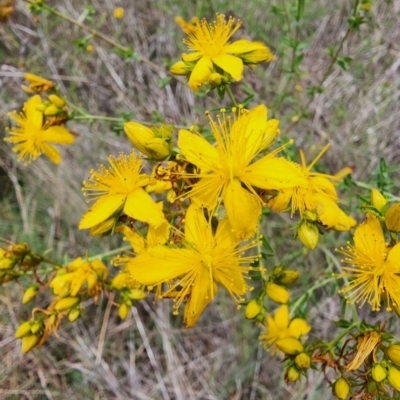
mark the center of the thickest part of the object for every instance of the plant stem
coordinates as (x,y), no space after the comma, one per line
(230,94)
(110,253)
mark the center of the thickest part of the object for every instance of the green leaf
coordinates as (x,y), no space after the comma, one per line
(221,91)
(285,40)
(355,22)
(266,245)
(344,62)
(342,323)
(298,61)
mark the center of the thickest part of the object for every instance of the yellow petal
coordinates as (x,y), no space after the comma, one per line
(191,57)
(243,209)
(200,73)
(134,239)
(197,229)
(247,133)
(160,265)
(394,256)
(273,173)
(225,237)
(231,64)
(57,134)
(271,130)
(35,117)
(198,151)
(282,317)
(200,297)
(102,209)
(207,190)
(243,46)
(299,327)
(369,239)
(51,152)
(280,202)
(325,186)
(139,205)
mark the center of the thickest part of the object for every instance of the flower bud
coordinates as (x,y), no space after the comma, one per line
(341,388)
(392,218)
(36,326)
(252,309)
(378,373)
(123,311)
(51,110)
(292,374)
(66,303)
(57,101)
(308,234)
(289,277)
(158,148)
(393,352)
(138,134)
(28,343)
(215,79)
(289,346)
(310,216)
(181,68)
(394,378)
(119,281)
(378,200)
(136,294)
(303,361)
(277,293)
(23,330)
(5,262)
(30,294)
(74,314)
(371,386)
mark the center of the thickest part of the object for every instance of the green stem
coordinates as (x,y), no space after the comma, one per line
(230,94)
(337,339)
(102,118)
(110,253)
(308,293)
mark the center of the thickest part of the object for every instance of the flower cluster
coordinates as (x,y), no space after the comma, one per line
(40,125)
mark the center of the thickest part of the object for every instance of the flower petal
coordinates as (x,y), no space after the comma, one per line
(299,327)
(198,151)
(102,209)
(160,265)
(282,317)
(243,209)
(243,46)
(394,256)
(206,191)
(225,237)
(139,205)
(34,116)
(273,173)
(231,64)
(57,134)
(51,152)
(200,73)
(197,229)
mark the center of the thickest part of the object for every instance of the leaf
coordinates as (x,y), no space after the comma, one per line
(300,9)
(266,245)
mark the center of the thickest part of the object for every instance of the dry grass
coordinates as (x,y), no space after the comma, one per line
(150,356)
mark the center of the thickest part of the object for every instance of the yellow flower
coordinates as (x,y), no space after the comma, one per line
(280,327)
(194,271)
(37,84)
(210,50)
(120,188)
(375,268)
(319,196)
(70,281)
(228,170)
(119,13)
(32,139)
